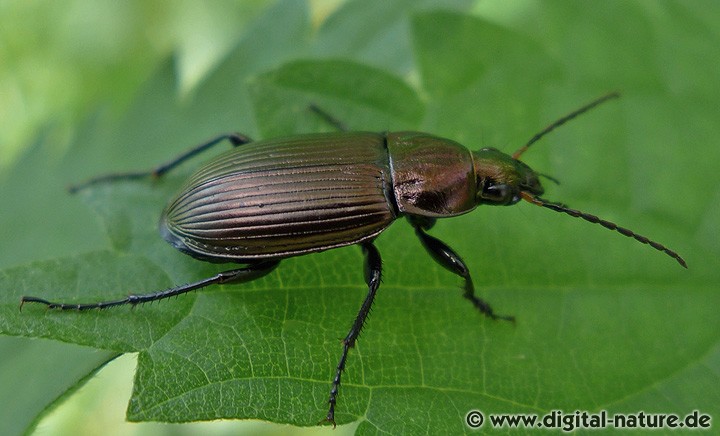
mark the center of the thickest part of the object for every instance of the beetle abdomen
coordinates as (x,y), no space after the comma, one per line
(284,197)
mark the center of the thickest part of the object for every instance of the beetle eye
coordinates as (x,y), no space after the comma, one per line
(500,194)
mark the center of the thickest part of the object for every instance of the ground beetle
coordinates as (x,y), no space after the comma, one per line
(267,200)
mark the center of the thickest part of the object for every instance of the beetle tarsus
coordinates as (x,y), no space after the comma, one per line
(330,418)
(24,300)
(73,306)
(373,275)
(482,305)
(107,178)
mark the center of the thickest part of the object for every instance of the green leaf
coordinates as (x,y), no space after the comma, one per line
(454,50)
(602,322)
(366,96)
(375,32)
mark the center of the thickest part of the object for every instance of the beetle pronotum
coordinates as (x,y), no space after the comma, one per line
(267,200)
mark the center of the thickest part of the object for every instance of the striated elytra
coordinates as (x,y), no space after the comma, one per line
(267,200)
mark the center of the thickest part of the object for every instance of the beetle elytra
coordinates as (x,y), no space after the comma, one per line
(267,200)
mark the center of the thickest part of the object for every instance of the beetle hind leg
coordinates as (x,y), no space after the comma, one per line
(234,138)
(250,272)
(451,261)
(342,127)
(373,273)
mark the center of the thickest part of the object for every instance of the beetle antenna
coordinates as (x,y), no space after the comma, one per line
(564,120)
(557,207)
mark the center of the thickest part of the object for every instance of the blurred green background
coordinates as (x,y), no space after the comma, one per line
(90,88)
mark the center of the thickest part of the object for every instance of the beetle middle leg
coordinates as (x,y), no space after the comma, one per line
(250,272)
(373,273)
(448,259)
(234,138)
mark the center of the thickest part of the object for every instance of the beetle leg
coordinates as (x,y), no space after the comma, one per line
(423,222)
(234,138)
(448,259)
(329,118)
(373,272)
(250,272)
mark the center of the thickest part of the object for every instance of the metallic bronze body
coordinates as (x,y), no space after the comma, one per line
(432,176)
(284,197)
(308,193)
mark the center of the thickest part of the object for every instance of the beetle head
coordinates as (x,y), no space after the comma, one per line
(501,179)
(504,180)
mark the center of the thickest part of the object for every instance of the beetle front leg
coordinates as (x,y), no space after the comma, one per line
(373,273)
(250,272)
(448,259)
(234,138)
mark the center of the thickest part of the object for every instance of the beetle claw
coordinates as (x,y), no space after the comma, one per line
(330,418)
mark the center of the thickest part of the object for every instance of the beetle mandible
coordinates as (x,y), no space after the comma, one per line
(267,200)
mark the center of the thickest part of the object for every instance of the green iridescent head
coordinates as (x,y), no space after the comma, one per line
(501,179)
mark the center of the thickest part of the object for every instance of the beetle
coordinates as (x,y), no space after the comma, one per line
(264,201)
